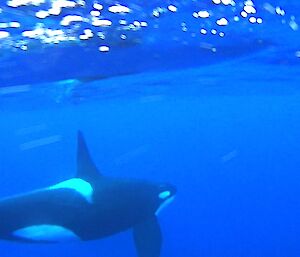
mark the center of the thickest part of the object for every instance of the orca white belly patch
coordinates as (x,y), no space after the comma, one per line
(79,185)
(48,233)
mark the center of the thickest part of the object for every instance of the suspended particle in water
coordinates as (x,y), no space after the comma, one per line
(222,22)
(203,14)
(172,8)
(103,48)
(203,31)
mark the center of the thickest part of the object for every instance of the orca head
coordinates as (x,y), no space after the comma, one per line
(166,194)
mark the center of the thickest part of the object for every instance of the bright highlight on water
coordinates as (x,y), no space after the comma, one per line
(61,22)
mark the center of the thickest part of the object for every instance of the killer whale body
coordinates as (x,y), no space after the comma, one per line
(87,207)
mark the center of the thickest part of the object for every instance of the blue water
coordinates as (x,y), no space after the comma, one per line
(219,117)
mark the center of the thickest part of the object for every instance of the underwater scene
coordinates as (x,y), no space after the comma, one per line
(149,128)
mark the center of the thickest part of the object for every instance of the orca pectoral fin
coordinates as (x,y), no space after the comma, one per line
(148,238)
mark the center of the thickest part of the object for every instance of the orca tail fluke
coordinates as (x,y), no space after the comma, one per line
(148,238)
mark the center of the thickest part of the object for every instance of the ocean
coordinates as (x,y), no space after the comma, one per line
(203,94)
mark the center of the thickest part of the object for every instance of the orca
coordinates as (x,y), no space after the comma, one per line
(86,207)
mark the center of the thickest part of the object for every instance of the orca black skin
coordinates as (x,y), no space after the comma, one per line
(87,207)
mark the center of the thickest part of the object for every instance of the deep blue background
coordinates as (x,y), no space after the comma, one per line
(233,155)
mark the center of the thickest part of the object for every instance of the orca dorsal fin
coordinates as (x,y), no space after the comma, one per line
(86,168)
